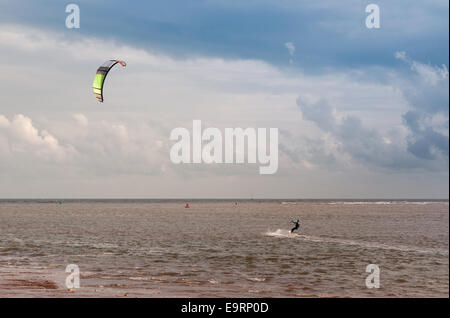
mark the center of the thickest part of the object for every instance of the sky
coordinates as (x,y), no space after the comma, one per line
(361,113)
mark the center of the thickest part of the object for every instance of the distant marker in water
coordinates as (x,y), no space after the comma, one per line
(187,206)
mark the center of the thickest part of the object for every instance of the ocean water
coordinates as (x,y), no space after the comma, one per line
(145,248)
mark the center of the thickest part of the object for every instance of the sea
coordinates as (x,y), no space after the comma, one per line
(224,248)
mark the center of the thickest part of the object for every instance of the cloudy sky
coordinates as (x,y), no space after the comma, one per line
(361,113)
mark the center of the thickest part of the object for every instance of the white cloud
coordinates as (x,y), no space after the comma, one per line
(24,138)
(48,77)
(291,48)
(401,55)
(4,122)
(81,119)
(430,74)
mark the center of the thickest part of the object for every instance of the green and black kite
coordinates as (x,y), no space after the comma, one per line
(99,78)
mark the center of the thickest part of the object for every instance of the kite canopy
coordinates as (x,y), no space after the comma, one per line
(99,78)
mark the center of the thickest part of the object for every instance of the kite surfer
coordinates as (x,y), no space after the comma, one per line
(297,225)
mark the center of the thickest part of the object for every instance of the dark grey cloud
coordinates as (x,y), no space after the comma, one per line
(306,149)
(368,147)
(425,143)
(428,96)
(326,33)
(319,112)
(425,89)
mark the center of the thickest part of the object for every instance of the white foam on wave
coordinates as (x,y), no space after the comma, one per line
(257,279)
(139,278)
(382,202)
(281,233)
(369,245)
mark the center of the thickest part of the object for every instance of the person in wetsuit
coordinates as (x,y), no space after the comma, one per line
(297,225)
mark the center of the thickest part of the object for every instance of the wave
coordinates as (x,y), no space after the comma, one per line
(382,202)
(139,278)
(369,245)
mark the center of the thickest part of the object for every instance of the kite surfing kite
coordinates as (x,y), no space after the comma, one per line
(99,78)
